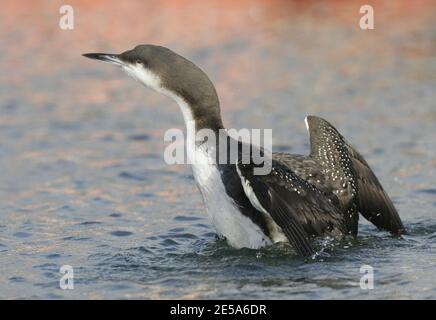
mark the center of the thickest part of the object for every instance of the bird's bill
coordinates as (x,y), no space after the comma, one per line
(105,57)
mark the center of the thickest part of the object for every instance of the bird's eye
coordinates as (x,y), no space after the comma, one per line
(138,61)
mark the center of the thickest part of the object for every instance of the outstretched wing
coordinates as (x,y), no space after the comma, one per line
(372,200)
(351,175)
(298,208)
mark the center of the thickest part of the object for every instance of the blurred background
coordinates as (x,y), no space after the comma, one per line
(83,181)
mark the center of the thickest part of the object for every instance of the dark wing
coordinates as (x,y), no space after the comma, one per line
(298,208)
(362,187)
(306,168)
(372,200)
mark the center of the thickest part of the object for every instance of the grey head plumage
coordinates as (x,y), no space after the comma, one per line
(171,74)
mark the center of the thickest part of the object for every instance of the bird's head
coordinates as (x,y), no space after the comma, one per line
(168,73)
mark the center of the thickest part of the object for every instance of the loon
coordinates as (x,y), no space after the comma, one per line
(301,198)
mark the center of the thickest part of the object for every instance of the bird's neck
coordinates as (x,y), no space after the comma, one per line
(197,120)
(199,115)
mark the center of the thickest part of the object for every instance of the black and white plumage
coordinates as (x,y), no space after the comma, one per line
(301,198)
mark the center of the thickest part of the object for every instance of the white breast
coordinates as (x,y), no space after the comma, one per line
(228,221)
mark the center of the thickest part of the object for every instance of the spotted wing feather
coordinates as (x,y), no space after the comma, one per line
(297,207)
(351,177)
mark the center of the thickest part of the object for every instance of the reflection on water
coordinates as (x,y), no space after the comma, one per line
(83,179)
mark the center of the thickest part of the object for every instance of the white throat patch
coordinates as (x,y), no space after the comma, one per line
(143,75)
(153,81)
